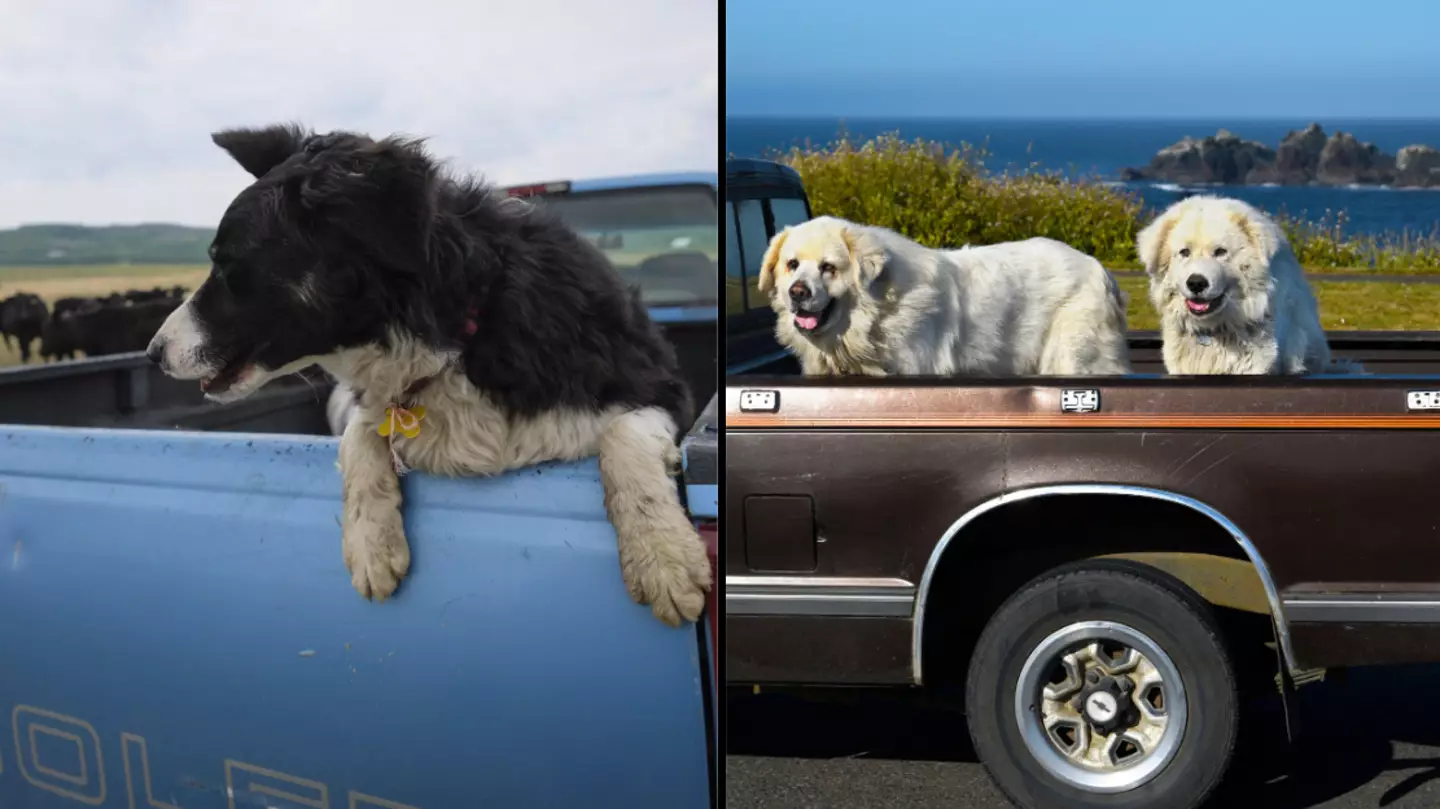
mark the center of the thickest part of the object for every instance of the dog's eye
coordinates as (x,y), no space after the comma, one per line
(792,265)
(1184,252)
(827,268)
(1219,251)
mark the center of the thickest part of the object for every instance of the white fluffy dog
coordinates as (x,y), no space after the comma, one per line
(1231,296)
(859,300)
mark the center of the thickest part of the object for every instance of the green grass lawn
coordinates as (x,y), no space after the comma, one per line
(1356,305)
(1344,305)
(1134,266)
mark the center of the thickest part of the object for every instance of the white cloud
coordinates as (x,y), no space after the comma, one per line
(106,108)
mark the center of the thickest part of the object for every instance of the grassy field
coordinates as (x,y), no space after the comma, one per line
(51,283)
(57,282)
(1352,305)
(1343,305)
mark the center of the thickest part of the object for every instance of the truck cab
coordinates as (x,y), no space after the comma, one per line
(658,230)
(762,198)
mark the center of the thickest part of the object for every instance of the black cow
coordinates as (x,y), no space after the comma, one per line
(61,338)
(114,324)
(108,327)
(22,316)
(69,305)
(144,295)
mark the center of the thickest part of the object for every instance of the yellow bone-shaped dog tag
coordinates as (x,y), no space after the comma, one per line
(407,422)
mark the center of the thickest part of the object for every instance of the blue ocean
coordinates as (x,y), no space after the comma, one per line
(1100,149)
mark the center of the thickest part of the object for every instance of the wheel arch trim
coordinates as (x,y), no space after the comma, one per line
(1272,594)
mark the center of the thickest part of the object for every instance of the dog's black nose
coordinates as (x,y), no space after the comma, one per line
(799,292)
(1196,283)
(156,351)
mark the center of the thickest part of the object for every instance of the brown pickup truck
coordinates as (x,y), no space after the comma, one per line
(1101,567)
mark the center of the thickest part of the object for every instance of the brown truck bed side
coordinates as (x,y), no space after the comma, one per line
(846,500)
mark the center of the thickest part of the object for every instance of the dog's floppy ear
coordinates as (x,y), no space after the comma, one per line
(1152,242)
(1261,231)
(771,258)
(867,252)
(259,150)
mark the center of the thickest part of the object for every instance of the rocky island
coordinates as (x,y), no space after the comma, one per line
(1304,157)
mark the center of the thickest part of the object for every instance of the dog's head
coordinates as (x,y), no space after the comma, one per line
(324,251)
(1209,260)
(816,272)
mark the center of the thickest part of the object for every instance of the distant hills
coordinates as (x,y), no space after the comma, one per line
(34,245)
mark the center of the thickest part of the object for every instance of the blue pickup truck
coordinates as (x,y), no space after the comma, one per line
(177,628)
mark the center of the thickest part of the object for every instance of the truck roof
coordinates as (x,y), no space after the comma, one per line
(646,180)
(751,167)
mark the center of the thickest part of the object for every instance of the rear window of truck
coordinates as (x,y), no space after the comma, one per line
(662,239)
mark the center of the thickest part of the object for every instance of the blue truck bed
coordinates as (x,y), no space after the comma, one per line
(177,629)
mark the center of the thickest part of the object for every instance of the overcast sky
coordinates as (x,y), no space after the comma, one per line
(106,107)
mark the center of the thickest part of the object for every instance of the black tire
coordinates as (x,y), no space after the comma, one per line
(1135,596)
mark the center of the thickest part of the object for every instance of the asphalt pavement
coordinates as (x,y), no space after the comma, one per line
(1370,739)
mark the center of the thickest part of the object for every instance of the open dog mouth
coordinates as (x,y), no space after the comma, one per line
(1203,308)
(812,321)
(231,371)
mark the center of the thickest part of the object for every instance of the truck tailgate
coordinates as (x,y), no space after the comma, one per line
(176,624)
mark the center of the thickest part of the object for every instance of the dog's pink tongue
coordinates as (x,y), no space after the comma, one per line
(807,321)
(1198,306)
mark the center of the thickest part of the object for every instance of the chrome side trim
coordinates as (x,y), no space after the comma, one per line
(1365,609)
(829,596)
(1272,595)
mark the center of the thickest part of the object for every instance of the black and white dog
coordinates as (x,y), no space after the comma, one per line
(475,330)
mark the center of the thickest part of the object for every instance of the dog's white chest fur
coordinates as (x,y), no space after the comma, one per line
(1220,353)
(464,431)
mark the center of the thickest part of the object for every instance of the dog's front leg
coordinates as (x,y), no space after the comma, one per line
(662,557)
(372,533)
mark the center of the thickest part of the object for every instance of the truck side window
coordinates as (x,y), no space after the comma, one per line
(753,241)
(734,270)
(788,211)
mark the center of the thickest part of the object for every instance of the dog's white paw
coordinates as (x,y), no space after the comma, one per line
(377,555)
(668,571)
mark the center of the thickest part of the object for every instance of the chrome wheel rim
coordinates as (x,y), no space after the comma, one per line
(1101,706)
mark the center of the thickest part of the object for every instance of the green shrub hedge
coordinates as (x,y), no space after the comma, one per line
(944,196)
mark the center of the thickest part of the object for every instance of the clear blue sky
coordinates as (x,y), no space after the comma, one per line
(1084,58)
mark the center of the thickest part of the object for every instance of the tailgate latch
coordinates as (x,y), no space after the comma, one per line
(759,401)
(1422,400)
(1079,401)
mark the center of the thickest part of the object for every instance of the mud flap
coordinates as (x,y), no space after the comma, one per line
(1287,687)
